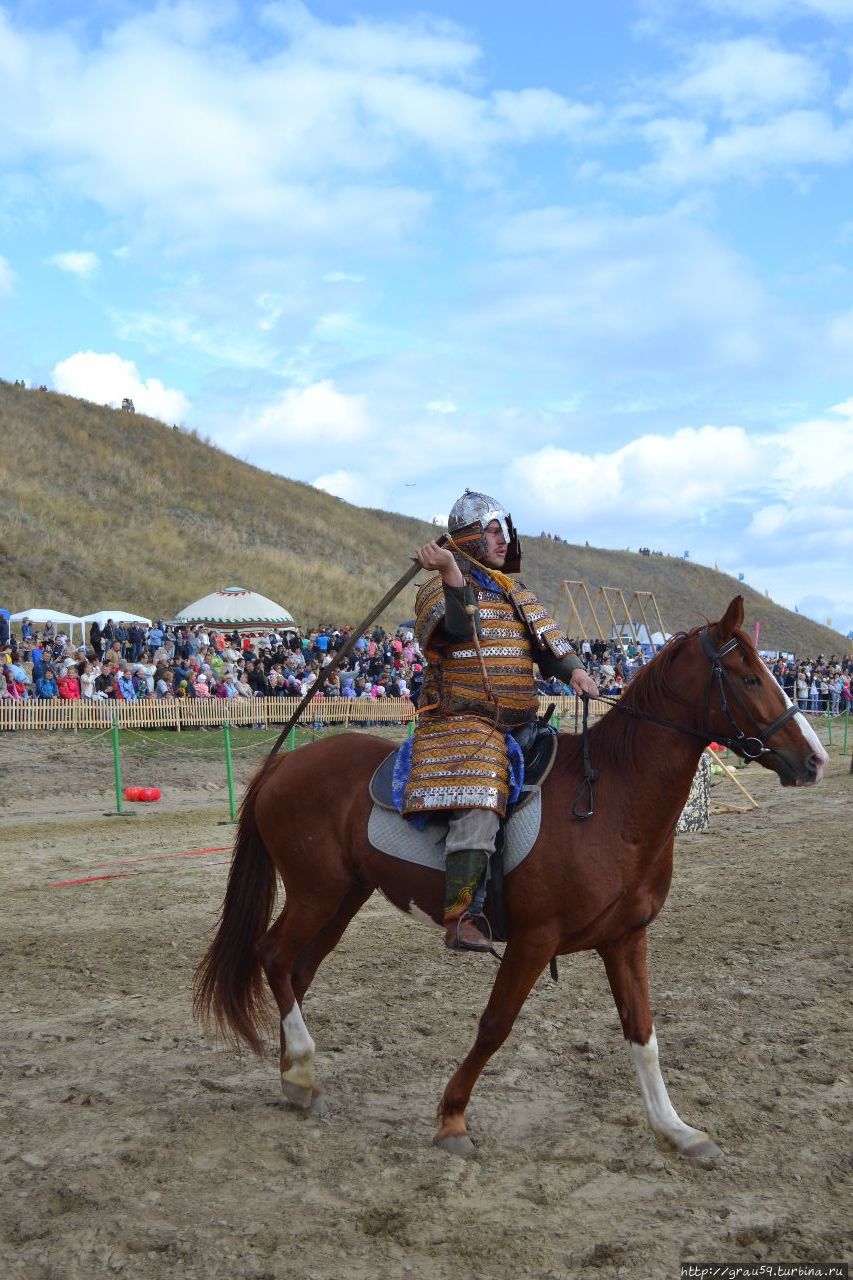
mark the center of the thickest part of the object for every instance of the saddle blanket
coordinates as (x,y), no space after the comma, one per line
(396,836)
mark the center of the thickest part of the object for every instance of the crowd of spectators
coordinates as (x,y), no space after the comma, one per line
(133,662)
(817,685)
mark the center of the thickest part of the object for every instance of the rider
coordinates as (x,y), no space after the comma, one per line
(481,633)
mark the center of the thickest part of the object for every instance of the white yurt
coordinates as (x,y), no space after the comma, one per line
(236,609)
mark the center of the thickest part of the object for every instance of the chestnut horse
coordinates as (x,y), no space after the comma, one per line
(585,885)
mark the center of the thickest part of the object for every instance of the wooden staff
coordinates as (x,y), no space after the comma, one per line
(347,649)
(731,774)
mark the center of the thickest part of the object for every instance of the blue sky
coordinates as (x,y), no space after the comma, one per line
(595,260)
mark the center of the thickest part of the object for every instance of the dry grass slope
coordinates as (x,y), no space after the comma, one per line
(104,509)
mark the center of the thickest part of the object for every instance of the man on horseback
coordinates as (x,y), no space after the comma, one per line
(482,633)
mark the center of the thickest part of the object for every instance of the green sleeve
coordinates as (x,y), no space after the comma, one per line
(457,623)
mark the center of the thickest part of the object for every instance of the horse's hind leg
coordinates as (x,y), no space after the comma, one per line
(627,973)
(327,938)
(290,952)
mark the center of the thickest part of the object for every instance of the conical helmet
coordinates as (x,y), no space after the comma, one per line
(469,516)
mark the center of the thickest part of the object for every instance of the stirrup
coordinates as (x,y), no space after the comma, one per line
(458,945)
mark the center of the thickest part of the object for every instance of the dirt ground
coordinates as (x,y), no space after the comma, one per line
(132,1145)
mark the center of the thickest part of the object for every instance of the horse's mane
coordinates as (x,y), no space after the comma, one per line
(613,739)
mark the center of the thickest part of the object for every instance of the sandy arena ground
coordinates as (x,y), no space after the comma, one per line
(134,1146)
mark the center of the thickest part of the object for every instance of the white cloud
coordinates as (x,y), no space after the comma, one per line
(307,416)
(617,292)
(77,262)
(803,529)
(839,332)
(832,10)
(342,277)
(666,477)
(534,114)
(298,141)
(442,406)
(108,379)
(347,485)
(771,503)
(7,276)
(686,152)
(747,77)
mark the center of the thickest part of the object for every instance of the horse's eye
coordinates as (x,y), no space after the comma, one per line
(751,681)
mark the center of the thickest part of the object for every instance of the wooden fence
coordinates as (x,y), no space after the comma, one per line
(180,713)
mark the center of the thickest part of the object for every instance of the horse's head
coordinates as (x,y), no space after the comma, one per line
(748,707)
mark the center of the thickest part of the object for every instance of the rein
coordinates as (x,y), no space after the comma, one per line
(747,747)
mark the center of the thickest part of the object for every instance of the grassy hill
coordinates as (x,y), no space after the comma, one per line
(101,509)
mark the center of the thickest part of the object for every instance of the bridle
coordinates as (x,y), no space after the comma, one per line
(748,747)
(739,743)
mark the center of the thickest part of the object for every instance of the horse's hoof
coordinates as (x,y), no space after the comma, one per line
(297,1094)
(458,1144)
(704,1150)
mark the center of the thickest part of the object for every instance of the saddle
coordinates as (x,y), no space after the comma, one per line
(538,745)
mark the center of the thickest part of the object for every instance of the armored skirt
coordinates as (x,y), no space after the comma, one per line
(458,762)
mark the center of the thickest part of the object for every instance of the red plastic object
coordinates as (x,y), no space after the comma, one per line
(715,746)
(142,793)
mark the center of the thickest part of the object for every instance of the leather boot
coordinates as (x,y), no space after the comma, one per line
(463,935)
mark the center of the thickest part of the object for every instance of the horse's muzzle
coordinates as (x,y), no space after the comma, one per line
(795,771)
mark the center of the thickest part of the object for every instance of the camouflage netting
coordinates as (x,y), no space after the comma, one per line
(694,815)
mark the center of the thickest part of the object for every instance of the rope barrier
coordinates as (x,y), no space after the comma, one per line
(80,743)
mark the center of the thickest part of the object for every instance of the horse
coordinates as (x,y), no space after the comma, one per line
(594,885)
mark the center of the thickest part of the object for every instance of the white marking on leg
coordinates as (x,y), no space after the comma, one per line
(300,1050)
(418,914)
(663,1117)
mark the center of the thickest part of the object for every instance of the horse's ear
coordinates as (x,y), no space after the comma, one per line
(731,619)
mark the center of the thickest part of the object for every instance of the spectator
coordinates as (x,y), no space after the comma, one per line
(69,686)
(87,682)
(124,686)
(163,686)
(10,687)
(46,686)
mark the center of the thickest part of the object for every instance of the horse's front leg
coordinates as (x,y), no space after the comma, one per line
(627,973)
(522,962)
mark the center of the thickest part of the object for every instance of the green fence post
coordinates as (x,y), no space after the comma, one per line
(846,723)
(411,728)
(229,771)
(117,767)
(555,720)
(291,739)
(829,724)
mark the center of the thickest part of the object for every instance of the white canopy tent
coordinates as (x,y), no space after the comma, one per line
(235,608)
(117,615)
(57,616)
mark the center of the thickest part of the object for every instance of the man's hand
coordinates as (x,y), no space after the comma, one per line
(581,682)
(440,560)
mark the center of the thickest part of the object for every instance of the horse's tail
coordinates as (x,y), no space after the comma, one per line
(229,981)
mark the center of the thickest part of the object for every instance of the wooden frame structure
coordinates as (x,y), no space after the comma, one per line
(608,613)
